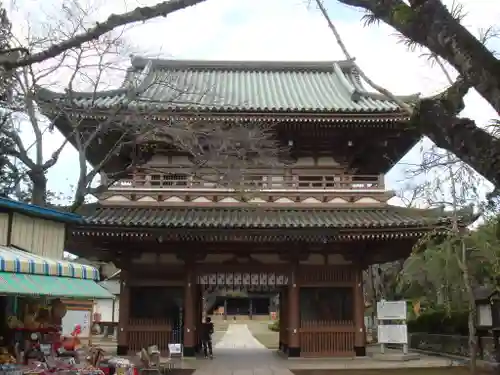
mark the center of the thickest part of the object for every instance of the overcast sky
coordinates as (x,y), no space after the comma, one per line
(282,30)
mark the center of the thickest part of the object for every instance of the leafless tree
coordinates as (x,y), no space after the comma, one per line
(423,22)
(454,185)
(22,55)
(226,147)
(136,134)
(21,112)
(430,24)
(439,29)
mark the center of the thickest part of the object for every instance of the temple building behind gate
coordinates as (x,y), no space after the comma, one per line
(304,226)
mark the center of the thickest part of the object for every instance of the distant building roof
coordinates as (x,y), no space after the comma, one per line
(113,286)
(27,209)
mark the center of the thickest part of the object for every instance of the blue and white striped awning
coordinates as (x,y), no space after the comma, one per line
(18,261)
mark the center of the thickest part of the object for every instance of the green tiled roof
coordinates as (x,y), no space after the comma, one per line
(262,218)
(236,86)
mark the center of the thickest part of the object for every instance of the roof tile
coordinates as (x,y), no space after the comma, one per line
(261,218)
(327,86)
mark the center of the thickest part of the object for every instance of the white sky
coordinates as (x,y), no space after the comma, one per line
(279,30)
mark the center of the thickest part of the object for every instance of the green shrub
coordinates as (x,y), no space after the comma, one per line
(274,326)
(440,322)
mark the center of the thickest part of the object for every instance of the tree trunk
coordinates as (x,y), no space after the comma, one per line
(39,188)
(430,24)
(472,309)
(472,328)
(462,137)
(78,201)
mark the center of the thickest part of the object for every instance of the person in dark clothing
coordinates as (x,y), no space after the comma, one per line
(206,337)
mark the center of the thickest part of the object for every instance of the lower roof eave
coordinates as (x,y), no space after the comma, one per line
(173,234)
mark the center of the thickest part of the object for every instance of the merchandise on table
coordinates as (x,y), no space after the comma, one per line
(11,369)
(118,366)
(5,357)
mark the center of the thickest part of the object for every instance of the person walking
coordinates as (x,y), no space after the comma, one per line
(206,337)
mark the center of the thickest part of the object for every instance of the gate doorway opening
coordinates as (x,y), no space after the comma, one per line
(240,306)
(240,295)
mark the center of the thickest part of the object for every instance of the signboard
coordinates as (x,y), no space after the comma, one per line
(391,310)
(175,349)
(244,278)
(393,334)
(76,317)
(484,316)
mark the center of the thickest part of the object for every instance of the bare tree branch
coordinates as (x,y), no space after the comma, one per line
(140,14)
(404,106)
(430,24)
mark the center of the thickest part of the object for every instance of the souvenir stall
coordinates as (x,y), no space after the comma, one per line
(36,295)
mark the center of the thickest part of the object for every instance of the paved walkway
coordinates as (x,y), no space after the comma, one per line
(238,336)
(239,353)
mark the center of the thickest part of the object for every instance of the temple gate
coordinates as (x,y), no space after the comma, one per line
(303,225)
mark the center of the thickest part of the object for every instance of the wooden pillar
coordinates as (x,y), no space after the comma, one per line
(199,317)
(294,313)
(281,320)
(122,347)
(189,312)
(359,314)
(250,308)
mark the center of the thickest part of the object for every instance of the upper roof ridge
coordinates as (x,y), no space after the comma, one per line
(139,62)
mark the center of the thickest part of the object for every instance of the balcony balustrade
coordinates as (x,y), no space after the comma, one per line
(261,182)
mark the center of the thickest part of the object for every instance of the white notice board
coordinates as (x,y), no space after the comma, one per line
(175,349)
(392,334)
(74,317)
(391,310)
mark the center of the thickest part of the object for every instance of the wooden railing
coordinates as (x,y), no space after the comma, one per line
(146,332)
(327,338)
(176,181)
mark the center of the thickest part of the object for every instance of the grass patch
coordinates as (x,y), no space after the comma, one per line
(274,326)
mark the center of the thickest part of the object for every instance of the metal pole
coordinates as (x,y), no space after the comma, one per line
(382,345)
(405,346)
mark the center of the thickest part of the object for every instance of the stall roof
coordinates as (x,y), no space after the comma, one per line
(23,273)
(52,286)
(18,261)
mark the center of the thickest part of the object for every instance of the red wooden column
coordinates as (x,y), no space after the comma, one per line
(199,316)
(284,320)
(189,312)
(294,313)
(359,313)
(281,321)
(122,347)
